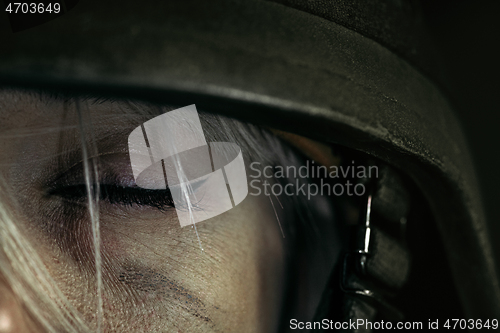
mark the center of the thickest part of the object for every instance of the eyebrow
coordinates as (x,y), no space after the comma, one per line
(62,96)
(47,96)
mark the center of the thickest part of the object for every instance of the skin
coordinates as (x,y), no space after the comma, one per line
(12,316)
(155,276)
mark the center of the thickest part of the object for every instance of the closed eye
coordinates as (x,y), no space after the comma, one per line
(119,195)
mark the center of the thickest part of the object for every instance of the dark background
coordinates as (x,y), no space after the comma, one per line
(468,35)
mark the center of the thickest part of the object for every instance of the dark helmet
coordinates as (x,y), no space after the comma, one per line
(358,74)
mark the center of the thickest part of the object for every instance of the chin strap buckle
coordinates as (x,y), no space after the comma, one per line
(375,270)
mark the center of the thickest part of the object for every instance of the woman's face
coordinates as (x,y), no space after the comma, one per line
(155,275)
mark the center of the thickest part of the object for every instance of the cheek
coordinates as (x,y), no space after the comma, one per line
(236,280)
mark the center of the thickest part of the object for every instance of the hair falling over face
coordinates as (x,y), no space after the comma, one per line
(84,249)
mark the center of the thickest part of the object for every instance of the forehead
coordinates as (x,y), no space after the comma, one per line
(20,109)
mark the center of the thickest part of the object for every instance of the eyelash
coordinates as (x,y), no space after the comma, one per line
(114,194)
